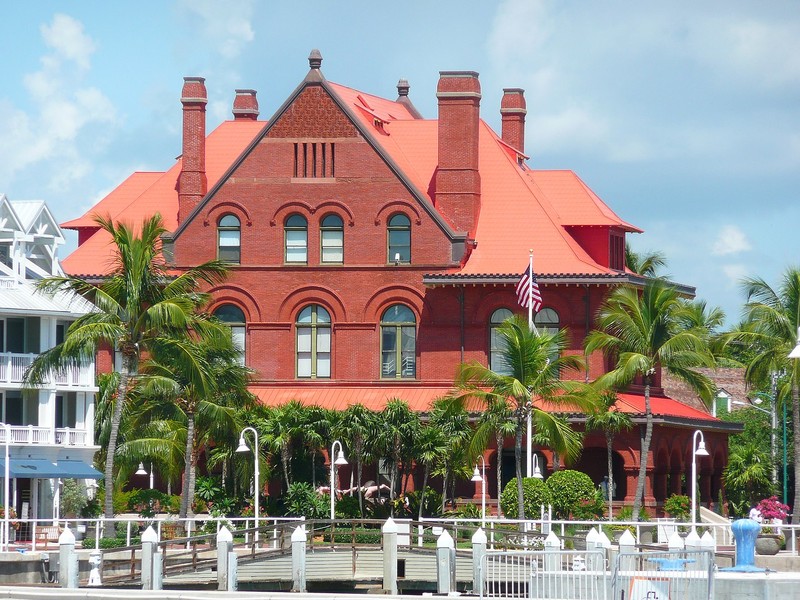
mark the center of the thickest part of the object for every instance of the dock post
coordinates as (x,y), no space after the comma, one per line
(224,546)
(150,563)
(478,554)
(389,532)
(445,564)
(299,540)
(68,560)
(552,558)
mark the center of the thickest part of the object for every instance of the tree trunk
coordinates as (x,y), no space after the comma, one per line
(638,500)
(128,366)
(422,495)
(609,449)
(444,486)
(187,494)
(499,442)
(285,458)
(518,466)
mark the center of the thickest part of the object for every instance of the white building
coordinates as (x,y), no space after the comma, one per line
(51,427)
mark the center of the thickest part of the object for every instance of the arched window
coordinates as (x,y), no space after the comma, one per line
(496,342)
(295,231)
(399,239)
(313,342)
(229,239)
(398,343)
(332,239)
(233,317)
(547,320)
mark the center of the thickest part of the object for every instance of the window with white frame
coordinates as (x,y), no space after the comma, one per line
(229,239)
(398,343)
(233,317)
(497,344)
(332,239)
(296,239)
(313,342)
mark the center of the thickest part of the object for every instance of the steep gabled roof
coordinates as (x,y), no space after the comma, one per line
(145,194)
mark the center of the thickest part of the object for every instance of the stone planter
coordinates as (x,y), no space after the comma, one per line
(768,544)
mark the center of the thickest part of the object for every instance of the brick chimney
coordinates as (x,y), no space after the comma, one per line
(192,183)
(512,112)
(245,105)
(458,181)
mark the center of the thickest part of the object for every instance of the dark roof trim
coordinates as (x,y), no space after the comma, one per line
(434,279)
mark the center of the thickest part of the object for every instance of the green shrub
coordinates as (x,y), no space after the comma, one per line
(535,494)
(678,507)
(302,500)
(589,509)
(148,502)
(432,506)
(120,501)
(568,488)
(347,507)
(626,514)
(73,498)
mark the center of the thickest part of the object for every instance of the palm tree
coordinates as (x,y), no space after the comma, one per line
(533,374)
(770,334)
(452,419)
(747,476)
(316,431)
(646,265)
(643,332)
(139,304)
(356,426)
(281,429)
(497,420)
(611,422)
(429,448)
(397,425)
(202,386)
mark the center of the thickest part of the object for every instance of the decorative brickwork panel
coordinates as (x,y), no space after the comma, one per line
(313,114)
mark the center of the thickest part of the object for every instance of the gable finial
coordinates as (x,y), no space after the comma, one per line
(315,59)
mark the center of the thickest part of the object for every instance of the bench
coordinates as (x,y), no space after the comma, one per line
(47,534)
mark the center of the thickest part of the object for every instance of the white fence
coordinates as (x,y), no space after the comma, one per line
(33,434)
(687,575)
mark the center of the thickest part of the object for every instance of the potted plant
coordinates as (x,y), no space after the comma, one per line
(773,512)
(13,524)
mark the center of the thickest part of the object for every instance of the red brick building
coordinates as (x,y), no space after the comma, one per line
(373,250)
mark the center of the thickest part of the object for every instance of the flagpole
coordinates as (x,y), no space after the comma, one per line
(529,448)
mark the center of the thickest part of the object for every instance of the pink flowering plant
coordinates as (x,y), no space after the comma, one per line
(772,508)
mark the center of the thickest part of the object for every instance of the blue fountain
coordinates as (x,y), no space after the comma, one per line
(745,532)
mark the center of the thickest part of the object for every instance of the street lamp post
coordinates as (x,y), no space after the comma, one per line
(6,490)
(243,447)
(697,450)
(340,460)
(481,476)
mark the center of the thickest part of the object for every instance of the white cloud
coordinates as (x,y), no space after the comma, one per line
(61,110)
(65,35)
(226,24)
(735,272)
(730,240)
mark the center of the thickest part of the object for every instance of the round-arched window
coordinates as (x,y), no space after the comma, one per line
(497,344)
(313,342)
(229,239)
(233,317)
(398,343)
(399,239)
(295,231)
(332,239)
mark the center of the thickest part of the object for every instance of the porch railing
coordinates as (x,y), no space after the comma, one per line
(13,367)
(55,436)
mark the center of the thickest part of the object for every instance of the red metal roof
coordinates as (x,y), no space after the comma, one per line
(660,406)
(144,194)
(336,397)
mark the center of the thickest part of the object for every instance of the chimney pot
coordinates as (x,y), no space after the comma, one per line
(458,181)
(402,88)
(245,105)
(192,184)
(512,112)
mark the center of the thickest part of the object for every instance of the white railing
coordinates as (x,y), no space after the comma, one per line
(32,434)
(13,367)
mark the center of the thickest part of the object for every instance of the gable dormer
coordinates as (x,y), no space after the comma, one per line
(606,245)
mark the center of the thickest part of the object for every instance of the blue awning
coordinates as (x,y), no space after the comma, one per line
(30,468)
(77,469)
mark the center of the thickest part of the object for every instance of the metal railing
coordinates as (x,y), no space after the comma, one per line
(540,574)
(13,366)
(688,575)
(51,436)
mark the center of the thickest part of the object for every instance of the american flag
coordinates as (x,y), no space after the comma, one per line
(528,291)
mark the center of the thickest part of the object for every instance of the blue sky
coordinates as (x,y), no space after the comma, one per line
(683,116)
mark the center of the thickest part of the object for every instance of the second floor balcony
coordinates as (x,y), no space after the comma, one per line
(13,367)
(48,436)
